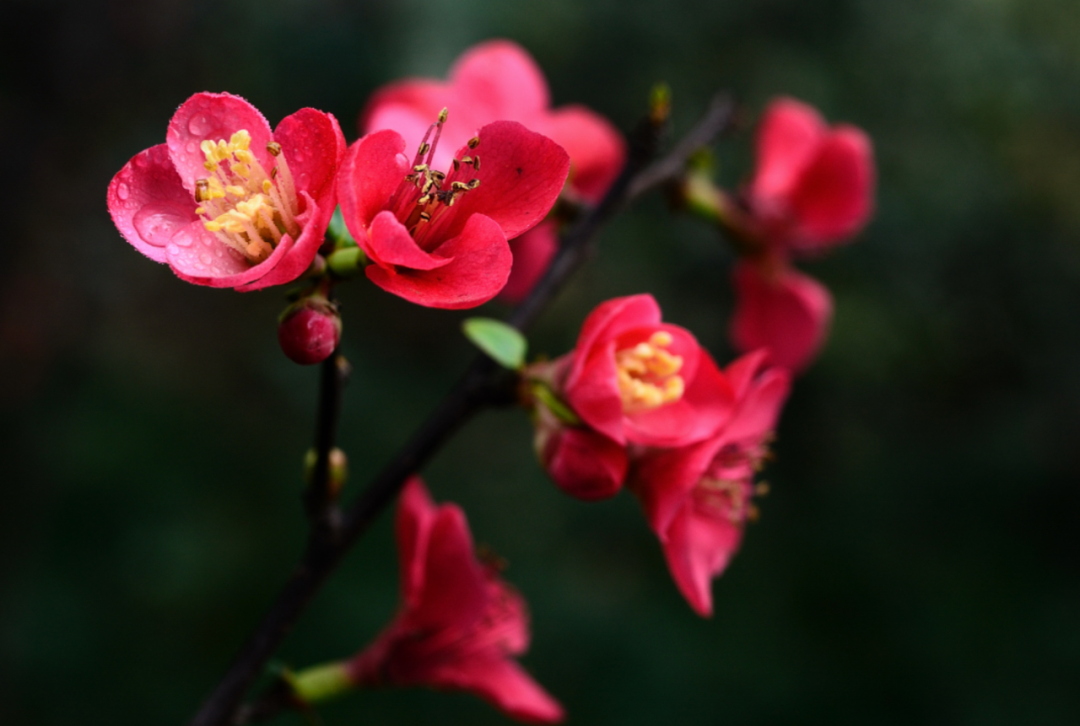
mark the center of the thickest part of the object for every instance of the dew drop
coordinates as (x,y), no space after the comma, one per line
(199,125)
(156,226)
(205,258)
(122,191)
(219,252)
(191,148)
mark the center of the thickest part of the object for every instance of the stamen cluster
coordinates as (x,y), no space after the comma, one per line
(244,206)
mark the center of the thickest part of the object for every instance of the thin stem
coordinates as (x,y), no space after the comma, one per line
(483,384)
(319,496)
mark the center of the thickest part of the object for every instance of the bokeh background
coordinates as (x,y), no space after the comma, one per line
(918,559)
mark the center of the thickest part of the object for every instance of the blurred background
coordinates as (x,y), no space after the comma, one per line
(918,559)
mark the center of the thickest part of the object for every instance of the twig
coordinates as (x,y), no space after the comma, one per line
(319,497)
(483,384)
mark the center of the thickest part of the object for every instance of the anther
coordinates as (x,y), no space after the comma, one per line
(476,163)
(443,115)
(425,217)
(202,188)
(424,148)
(474,184)
(457,164)
(274,148)
(474,142)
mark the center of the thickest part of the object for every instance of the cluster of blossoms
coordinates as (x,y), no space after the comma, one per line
(449,199)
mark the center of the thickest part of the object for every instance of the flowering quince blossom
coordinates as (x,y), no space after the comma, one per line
(812,189)
(813,186)
(439,238)
(697,498)
(460,624)
(631,381)
(226,201)
(499,80)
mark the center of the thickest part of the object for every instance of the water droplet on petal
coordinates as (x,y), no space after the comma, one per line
(205,258)
(199,125)
(122,191)
(156,226)
(191,148)
(219,252)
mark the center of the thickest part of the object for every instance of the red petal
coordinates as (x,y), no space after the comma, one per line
(199,257)
(502,683)
(834,195)
(501,77)
(313,146)
(596,148)
(213,116)
(278,270)
(391,245)
(664,478)
(478,266)
(148,203)
(521,176)
(533,253)
(454,590)
(788,136)
(758,410)
(412,528)
(699,547)
(410,107)
(788,313)
(371,172)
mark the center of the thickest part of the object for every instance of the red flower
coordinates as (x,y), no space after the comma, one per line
(636,379)
(460,624)
(697,498)
(225,201)
(499,80)
(814,186)
(781,309)
(439,239)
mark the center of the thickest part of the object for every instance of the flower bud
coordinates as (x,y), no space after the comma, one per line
(309,330)
(582,462)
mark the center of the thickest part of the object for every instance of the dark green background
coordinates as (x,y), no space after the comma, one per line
(917,561)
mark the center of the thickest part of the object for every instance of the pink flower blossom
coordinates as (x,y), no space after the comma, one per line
(440,238)
(813,186)
(634,378)
(780,309)
(226,201)
(499,80)
(460,625)
(697,498)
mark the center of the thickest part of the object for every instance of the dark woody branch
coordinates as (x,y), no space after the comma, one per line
(483,384)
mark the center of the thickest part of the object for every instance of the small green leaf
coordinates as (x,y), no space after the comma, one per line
(338,232)
(499,340)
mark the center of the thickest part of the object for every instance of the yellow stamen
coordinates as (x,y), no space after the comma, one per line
(647,374)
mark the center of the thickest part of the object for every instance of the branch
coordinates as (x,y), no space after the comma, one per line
(483,384)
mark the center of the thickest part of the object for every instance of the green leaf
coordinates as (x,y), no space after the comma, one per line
(499,340)
(338,232)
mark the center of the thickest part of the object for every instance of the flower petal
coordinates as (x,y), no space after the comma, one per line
(596,148)
(372,170)
(390,245)
(663,479)
(412,529)
(213,116)
(454,590)
(502,683)
(313,146)
(502,77)
(520,178)
(698,547)
(199,257)
(785,311)
(533,253)
(788,135)
(834,196)
(477,267)
(148,203)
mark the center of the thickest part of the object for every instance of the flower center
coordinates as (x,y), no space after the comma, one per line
(244,206)
(728,499)
(648,375)
(425,195)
